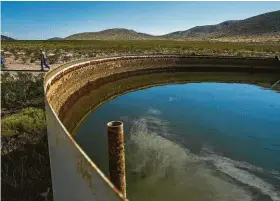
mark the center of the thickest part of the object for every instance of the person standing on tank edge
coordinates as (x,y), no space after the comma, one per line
(43,60)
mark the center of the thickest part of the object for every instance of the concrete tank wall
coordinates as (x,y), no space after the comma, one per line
(74,175)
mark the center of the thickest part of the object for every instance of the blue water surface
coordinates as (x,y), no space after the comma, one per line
(239,122)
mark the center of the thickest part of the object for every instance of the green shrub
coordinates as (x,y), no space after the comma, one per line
(30,120)
(25,172)
(54,59)
(22,90)
(25,59)
(66,58)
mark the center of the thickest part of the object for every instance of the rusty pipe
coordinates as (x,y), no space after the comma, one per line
(117,155)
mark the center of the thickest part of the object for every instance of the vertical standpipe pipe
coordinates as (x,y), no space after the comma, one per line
(117,155)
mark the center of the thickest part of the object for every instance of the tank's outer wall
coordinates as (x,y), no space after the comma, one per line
(74,176)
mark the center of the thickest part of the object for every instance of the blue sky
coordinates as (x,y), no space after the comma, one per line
(42,20)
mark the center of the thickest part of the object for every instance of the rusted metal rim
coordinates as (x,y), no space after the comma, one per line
(115,124)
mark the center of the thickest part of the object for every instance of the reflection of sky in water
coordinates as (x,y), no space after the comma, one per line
(218,124)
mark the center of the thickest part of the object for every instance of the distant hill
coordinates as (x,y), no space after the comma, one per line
(265,25)
(111,34)
(200,31)
(56,38)
(6,38)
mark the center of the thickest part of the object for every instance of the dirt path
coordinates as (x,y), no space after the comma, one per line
(27,68)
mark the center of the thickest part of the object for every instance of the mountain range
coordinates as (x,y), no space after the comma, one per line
(6,38)
(262,27)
